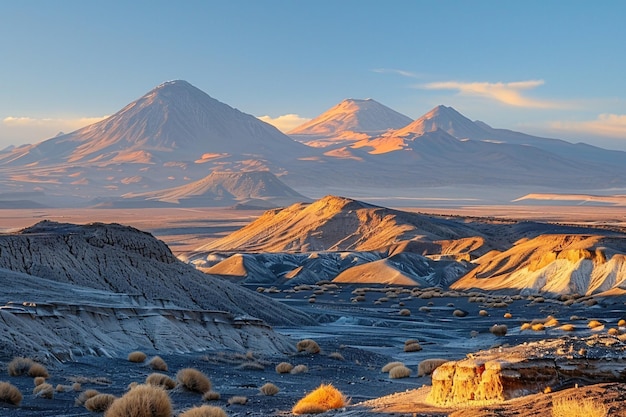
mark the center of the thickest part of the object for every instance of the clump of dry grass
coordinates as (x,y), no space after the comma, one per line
(84,396)
(325,397)
(62,388)
(405,312)
(158,364)
(284,368)
(211,396)
(38,380)
(621,323)
(308,345)
(508,315)
(10,394)
(19,366)
(76,386)
(204,411)
(594,324)
(160,380)
(142,401)
(567,328)
(193,380)
(398,372)
(459,313)
(428,366)
(388,367)
(269,389)
(538,327)
(499,330)
(238,399)
(483,313)
(613,331)
(578,407)
(100,403)
(38,369)
(137,356)
(336,355)
(299,369)
(412,347)
(44,390)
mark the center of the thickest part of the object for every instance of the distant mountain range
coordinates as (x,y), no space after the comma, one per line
(162,146)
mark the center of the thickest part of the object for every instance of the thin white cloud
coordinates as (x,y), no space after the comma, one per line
(610,125)
(506,93)
(20,130)
(398,72)
(286,122)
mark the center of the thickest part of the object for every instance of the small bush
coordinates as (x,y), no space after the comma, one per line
(38,380)
(428,366)
(538,327)
(412,347)
(499,330)
(85,395)
(324,398)
(211,396)
(336,355)
(578,407)
(391,365)
(158,364)
(38,370)
(613,331)
(238,399)
(19,366)
(508,315)
(567,328)
(76,386)
(137,357)
(410,341)
(61,388)
(204,411)
(424,309)
(160,380)
(308,345)
(594,324)
(284,368)
(405,312)
(10,394)
(526,326)
(398,372)
(621,323)
(44,390)
(269,389)
(142,401)
(193,380)
(299,369)
(483,313)
(100,403)
(460,313)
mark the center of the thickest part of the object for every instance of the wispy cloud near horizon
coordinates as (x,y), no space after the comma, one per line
(286,122)
(506,93)
(403,73)
(21,130)
(609,125)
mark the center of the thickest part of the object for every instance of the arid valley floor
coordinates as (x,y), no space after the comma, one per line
(362,327)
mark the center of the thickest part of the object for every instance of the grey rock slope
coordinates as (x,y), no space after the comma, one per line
(107,288)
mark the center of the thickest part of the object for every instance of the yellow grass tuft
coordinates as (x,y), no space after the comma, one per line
(238,399)
(160,380)
(508,315)
(10,394)
(38,380)
(284,368)
(269,389)
(308,345)
(567,328)
(538,327)
(526,326)
(137,357)
(76,386)
(405,312)
(44,390)
(158,364)
(19,366)
(193,380)
(336,355)
(100,403)
(483,313)
(142,401)
(204,411)
(621,323)
(388,367)
(324,398)
(38,370)
(299,369)
(398,372)
(428,366)
(412,347)
(85,395)
(211,396)
(578,407)
(594,324)
(499,330)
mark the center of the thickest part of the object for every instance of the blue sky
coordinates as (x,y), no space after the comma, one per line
(551,68)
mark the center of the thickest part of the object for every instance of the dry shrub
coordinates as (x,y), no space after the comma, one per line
(158,364)
(252,366)
(132,385)
(44,390)
(10,394)
(526,326)
(412,347)
(204,411)
(38,380)
(160,380)
(299,369)
(100,403)
(85,395)
(424,309)
(410,341)
(390,366)
(19,366)
(551,322)
(137,357)
(499,330)
(578,407)
(269,389)
(398,372)
(284,368)
(142,401)
(483,313)
(594,324)
(238,399)
(61,388)
(508,316)
(308,345)
(38,370)
(613,331)
(621,323)
(567,328)
(427,366)
(336,355)
(538,327)
(324,398)
(459,313)
(211,396)
(405,312)
(76,386)
(193,380)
